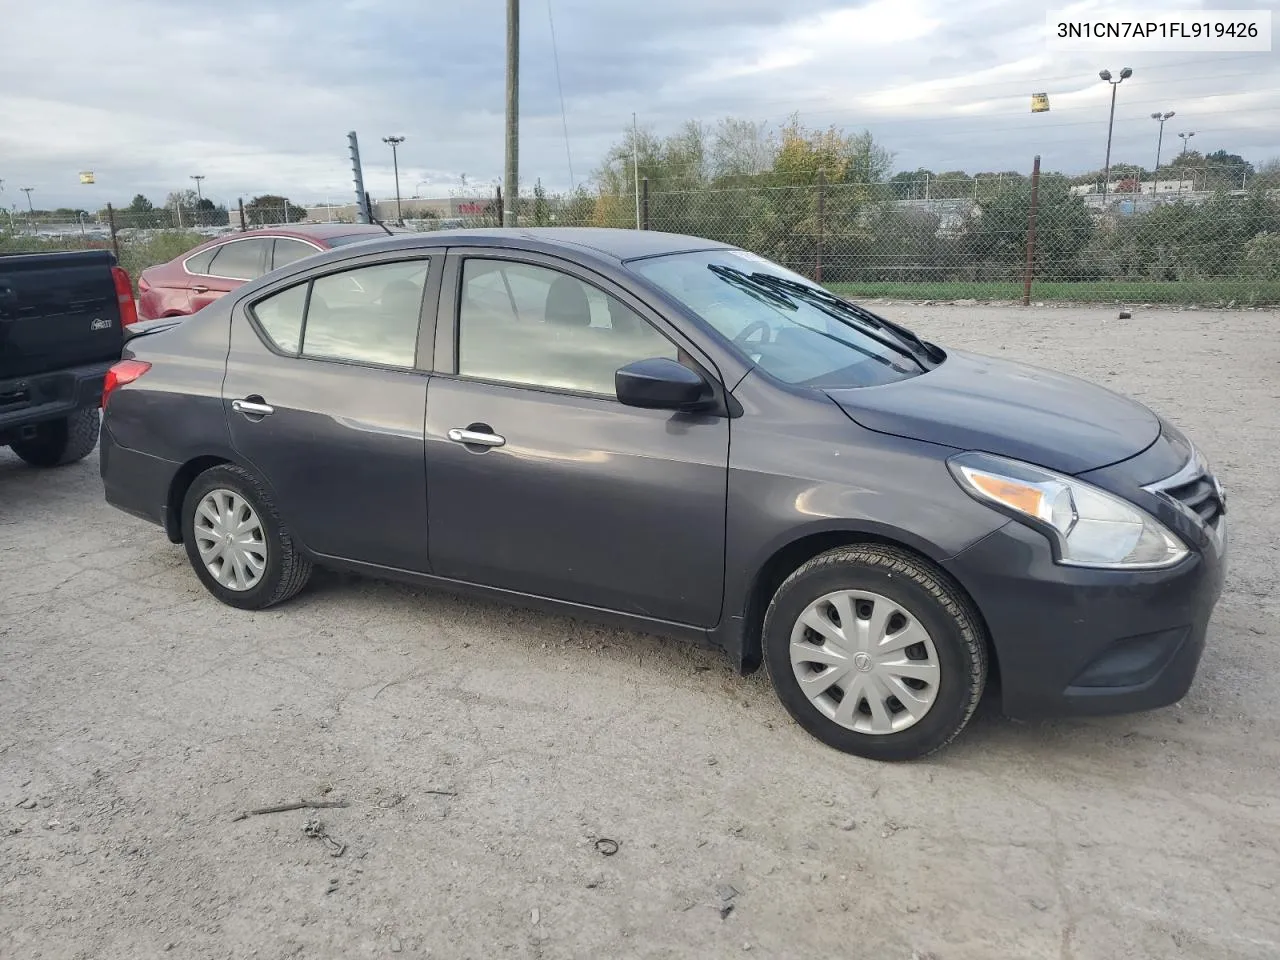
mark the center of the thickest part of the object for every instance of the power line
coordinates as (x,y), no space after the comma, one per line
(555,55)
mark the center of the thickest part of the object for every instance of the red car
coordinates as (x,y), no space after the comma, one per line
(198,277)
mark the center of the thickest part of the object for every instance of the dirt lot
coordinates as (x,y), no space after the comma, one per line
(483,750)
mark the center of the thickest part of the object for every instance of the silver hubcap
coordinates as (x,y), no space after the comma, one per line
(865,661)
(230,539)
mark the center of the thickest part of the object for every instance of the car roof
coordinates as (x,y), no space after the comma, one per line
(607,242)
(312,231)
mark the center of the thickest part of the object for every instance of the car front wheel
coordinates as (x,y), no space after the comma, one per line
(236,542)
(875,652)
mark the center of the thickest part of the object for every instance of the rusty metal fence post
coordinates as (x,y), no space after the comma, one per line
(822,216)
(1031,232)
(644,204)
(111,222)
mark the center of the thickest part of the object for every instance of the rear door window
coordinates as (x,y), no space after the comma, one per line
(290,251)
(240,260)
(367,315)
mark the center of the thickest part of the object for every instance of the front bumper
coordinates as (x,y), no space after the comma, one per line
(1072,641)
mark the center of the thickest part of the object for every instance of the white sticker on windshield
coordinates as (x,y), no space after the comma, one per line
(747,255)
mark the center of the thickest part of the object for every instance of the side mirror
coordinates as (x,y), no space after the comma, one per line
(660,384)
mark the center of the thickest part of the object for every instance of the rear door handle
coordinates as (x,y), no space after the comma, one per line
(199,288)
(252,408)
(476,438)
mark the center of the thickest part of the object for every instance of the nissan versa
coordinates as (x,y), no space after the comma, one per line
(683,437)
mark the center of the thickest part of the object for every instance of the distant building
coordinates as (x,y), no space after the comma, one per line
(1128,187)
(412,208)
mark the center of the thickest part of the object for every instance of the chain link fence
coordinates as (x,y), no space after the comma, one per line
(965,239)
(972,239)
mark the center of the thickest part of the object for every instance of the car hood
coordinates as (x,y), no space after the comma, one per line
(972,402)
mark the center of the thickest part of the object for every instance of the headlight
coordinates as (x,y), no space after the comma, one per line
(1090,528)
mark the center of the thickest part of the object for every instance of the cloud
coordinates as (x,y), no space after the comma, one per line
(259,98)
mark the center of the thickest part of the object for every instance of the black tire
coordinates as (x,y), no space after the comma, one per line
(287,568)
(929,595)
(59,442)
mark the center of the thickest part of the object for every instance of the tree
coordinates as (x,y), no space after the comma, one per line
(994,234)
(541,212)
(1227,170)
(951,185)
(741,149)
(141,213)
(911,184)
(272,208)
(852,158)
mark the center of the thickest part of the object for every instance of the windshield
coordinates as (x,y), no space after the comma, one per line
(786,325)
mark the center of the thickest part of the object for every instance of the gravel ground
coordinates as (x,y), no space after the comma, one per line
(483,751)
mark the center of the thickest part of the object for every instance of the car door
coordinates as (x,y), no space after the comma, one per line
(325,395)
(539,480)
(234,263)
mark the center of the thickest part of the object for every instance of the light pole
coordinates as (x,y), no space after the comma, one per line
(199,197)
(1186,139)
(27,191)
(417,185)
(395,162)
(1125,74)
(1159,118)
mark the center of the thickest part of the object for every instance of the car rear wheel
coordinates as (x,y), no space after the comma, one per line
(236,542)
(59,442)
(875,652)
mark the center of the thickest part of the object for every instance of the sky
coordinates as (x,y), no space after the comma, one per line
(258,95)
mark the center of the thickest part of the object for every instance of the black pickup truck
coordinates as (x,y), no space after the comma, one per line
(62,320)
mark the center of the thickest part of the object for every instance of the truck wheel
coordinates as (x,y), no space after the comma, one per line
(59,442)
(875,652)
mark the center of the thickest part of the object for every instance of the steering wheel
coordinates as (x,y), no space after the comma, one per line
(755,326)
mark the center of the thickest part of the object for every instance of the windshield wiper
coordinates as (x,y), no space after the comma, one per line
(773,298)
(867,324)
(817,295)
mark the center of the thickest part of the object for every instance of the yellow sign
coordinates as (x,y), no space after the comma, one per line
(86,176)
(1039,103)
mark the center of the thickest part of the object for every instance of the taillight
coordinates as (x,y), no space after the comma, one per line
(126,371)
(124,295)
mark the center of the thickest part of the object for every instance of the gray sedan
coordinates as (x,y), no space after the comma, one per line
(682,437)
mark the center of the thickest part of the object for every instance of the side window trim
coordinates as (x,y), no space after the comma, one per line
(435,257)
(262,253)
(449,315)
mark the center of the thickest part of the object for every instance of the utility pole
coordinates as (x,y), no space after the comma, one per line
(1125,74)
(27,191)
(511,175)
(395,162)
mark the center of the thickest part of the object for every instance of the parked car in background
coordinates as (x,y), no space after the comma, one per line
(62,321)
(682,436)
(194,280)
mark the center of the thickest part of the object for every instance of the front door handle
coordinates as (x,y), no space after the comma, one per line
(252,408)
(476,438)
(199,288)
